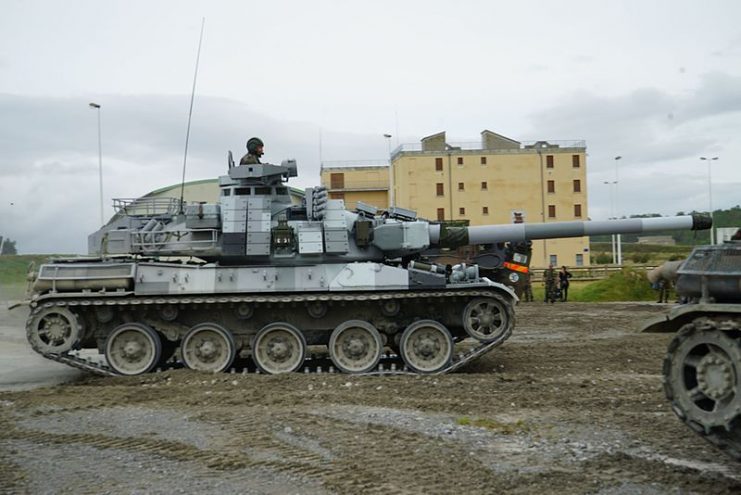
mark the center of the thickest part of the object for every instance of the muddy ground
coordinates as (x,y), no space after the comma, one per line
(572,403)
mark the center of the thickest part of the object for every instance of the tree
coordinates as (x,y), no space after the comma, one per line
(8,246)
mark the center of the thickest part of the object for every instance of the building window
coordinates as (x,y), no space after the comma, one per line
(461,186)
(440,190)
(549,161)
(460,160)
(577,185)
(485,210)
(484,186)
(577,211)
(553,259)
(441,214)
(575,161)
(438,164)
(579,260)
(337,181)
(483,160)
(551,211)
(551,186)
(461,211)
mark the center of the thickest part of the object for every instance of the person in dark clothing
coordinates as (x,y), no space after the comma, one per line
(663,286)
(254,151)
(563,281)
(528,290)
(549,280)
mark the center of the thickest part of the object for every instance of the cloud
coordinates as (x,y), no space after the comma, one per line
(49,164)
(660,136)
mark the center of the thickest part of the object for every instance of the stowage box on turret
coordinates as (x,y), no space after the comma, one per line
(267,279)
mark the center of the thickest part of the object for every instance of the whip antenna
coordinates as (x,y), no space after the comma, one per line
(190,114)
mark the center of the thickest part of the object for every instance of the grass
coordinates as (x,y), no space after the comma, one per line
(625,285)
(13,271)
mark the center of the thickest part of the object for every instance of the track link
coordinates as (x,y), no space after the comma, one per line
(390,365)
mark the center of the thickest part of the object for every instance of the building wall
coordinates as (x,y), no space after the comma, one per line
(513,189)
(367,184)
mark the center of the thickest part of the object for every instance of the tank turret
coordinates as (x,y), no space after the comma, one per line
(258,277)
(256,222)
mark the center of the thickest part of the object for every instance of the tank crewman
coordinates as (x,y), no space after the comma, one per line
(563,279)
(549,279)
(254,151)
(528,290)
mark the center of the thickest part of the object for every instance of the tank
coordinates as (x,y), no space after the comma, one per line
(702,367)
(257,279)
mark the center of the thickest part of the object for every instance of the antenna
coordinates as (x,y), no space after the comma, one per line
(190,114)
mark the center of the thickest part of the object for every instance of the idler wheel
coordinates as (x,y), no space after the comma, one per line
(426,346)
(53,330)
(486,319)
(133,349)
(208,347)
(702,377)
(355,346)
(279,348)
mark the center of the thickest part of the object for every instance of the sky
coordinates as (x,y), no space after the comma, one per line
(655,82)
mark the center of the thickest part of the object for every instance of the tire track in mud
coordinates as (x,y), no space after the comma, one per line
(366,458)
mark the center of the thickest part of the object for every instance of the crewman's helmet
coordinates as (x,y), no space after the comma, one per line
(253,144)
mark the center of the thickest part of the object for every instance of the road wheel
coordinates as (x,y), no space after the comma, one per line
(355,346)
(208,347)
(279,348)
(133,349)
(426,346)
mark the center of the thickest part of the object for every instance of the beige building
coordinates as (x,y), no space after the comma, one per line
(357,181)
(496,180)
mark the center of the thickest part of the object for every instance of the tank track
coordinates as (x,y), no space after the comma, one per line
(727,438)
(388,366)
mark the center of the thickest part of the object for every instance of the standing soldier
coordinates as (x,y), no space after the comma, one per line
(528,290)
(254,152)
(549,279)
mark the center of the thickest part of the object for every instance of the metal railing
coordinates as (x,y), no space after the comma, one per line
(147,207)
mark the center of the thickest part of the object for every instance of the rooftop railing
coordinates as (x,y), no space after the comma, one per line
(524,146)
(354,163)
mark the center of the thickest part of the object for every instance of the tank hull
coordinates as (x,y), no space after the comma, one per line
(163,306)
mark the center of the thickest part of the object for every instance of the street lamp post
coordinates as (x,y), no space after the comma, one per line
(710,196)
(618,238)
(613,238)
(100,163)
(392,196)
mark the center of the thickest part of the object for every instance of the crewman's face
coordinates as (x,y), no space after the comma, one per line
(259,150)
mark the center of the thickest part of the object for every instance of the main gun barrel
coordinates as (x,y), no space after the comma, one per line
(453,237)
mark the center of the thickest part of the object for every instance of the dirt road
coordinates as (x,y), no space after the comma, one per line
(572,403)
